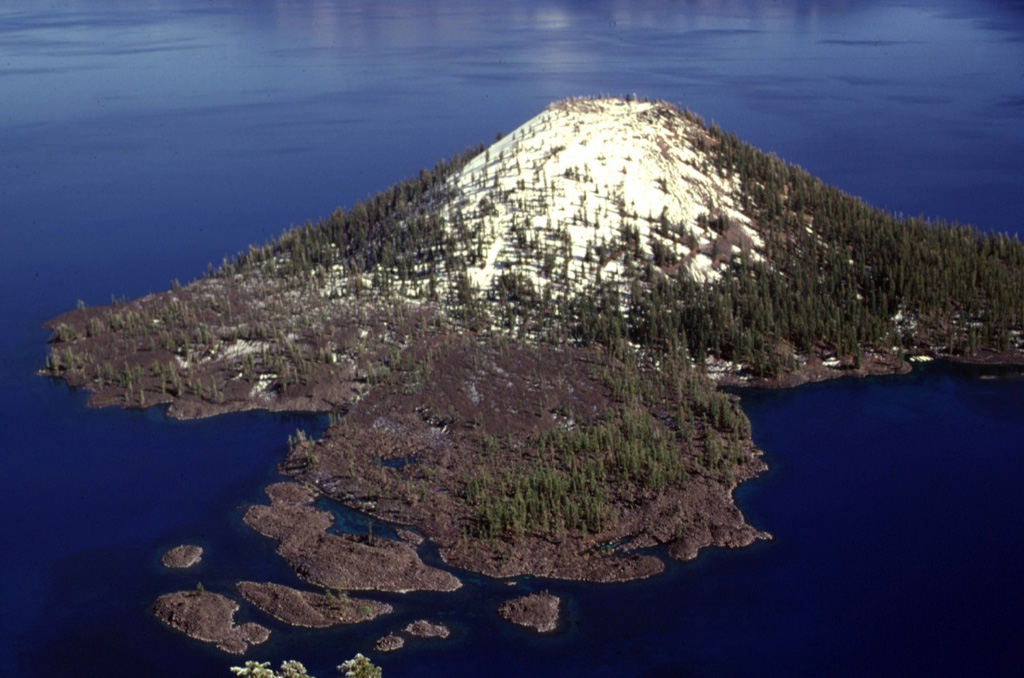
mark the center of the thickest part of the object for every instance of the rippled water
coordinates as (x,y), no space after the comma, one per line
(140,141)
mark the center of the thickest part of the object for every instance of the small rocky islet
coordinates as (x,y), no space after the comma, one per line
(538,611)
(421,628)
(182,557)
(209,617)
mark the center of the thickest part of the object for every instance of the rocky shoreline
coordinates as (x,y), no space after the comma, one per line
(389,421)
(817,367)
(423,460)
(820,367)
(310,610)
(341,562)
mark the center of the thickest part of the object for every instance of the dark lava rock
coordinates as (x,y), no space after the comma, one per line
(413,538)
(310,610)
(181,557)
(290,493)
(421,628)
(539,611)
(208,617)
(345,562)
(389,643)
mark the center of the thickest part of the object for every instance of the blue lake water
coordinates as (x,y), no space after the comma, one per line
(140,141)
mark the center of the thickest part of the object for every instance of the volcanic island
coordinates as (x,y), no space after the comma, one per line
(523,351)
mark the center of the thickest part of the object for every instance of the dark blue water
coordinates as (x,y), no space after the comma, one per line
(140,141)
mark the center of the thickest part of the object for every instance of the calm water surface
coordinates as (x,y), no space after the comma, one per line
(141,141)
